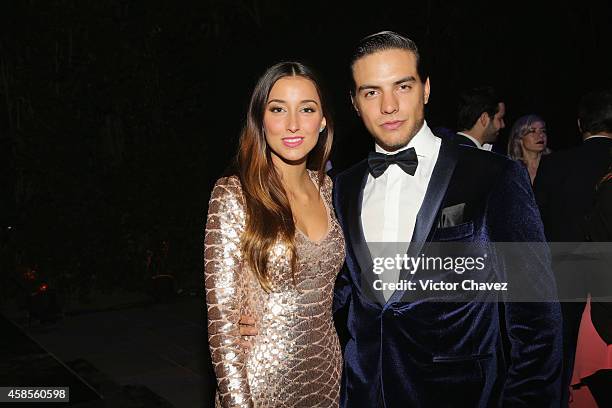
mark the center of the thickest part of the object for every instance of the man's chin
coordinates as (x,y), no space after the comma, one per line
(492,139)
(396,142)
(394,147)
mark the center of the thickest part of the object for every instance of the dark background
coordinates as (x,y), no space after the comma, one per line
(116,117)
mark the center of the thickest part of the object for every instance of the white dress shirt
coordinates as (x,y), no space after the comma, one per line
(392,201)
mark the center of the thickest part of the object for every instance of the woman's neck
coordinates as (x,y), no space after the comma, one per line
(294,177)
(532,159)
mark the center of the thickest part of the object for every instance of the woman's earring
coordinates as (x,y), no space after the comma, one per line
(322,129)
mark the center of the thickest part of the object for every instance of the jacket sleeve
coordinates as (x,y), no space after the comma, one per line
(343,286)
(534,327)
(224,284)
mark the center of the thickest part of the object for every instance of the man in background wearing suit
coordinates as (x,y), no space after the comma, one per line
(565,189)
(480,117)
(417,188)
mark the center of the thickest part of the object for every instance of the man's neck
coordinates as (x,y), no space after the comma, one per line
(473,137)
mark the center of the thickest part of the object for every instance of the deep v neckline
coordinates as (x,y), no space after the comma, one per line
(314,180)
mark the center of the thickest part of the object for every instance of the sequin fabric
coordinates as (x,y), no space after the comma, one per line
(295,359)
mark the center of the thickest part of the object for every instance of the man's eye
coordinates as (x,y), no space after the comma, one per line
(370,93)
(405,86)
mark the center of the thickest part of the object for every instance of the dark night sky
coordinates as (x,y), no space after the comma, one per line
(116,117)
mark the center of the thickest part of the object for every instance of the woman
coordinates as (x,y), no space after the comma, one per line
(527,142)
(593,361)
(273,248)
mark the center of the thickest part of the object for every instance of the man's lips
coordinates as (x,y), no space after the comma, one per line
(294,141)
(392,125)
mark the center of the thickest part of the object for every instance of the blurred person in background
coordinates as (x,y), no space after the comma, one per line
(528,142)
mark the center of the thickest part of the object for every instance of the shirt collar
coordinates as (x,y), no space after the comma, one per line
(424,143)
(597,136)
(476,142)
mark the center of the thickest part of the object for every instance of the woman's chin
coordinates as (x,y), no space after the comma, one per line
(292,160)
(537,149)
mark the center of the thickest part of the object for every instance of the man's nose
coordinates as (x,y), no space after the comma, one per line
(389,104)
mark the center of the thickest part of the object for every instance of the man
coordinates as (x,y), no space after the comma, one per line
(565,183)
(417,189)
(480,117)
(565,190)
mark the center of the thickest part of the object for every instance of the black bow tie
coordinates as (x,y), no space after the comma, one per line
(406,159)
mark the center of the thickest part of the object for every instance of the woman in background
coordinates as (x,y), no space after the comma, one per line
(273,248)
(592,376)
(527,142)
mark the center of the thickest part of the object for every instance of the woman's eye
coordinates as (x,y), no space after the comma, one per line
(276,109)
(308,110)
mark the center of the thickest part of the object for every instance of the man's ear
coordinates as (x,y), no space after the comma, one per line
(484,119)
(579,126)
(426,90)
(354,103)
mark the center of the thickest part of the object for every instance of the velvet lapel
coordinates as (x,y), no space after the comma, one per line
(357,180)
(436,190)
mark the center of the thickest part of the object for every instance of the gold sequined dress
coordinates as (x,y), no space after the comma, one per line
(295,359)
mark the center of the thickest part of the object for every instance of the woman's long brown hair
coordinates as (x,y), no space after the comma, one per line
(268,212)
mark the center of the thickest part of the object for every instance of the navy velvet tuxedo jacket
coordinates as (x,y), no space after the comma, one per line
(399,353)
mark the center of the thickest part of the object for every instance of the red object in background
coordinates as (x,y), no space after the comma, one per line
(43,287)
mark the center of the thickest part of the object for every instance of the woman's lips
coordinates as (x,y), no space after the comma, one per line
(393,125)
(293,141)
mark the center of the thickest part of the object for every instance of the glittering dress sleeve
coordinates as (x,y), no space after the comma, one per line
(225,285)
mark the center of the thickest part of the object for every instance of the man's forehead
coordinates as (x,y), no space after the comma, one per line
(385,66)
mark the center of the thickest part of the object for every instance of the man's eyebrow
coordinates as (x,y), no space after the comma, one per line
(282,101)
(366,86)
(405,79)
(409,78)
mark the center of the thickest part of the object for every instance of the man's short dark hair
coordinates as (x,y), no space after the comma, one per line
(387,40)
(473,102)
(595,112)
